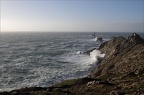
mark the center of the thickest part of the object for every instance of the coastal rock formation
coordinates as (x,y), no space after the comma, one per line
(121,72)
(99,39)
(135,38)
(123,64)
(122,56)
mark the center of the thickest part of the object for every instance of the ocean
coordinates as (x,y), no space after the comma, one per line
(43,59)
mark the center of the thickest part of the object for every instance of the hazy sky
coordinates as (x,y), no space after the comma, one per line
(72,15)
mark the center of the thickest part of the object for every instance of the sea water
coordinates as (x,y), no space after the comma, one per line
(43,59)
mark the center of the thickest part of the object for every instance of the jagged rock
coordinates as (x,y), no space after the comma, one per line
(122,56)
(99,39)
(135,38)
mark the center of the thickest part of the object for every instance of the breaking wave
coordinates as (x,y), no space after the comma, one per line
(44,59)
(96,55)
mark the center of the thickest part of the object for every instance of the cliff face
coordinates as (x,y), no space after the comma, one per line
(123,56)
(121,72)
(123,64)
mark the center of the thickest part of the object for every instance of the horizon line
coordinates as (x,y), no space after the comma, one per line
(64,31)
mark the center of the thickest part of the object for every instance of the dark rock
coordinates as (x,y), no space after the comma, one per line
(135,38)
(5,93)
(103,44)
(99,39)
(117,93)
(94,34)
(88,52)
(14,93)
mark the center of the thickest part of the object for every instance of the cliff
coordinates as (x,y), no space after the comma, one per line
(121,72)
(123,56)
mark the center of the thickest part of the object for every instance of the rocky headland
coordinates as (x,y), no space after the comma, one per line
(121,72)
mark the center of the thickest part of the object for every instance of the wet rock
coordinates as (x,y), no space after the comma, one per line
(99,39)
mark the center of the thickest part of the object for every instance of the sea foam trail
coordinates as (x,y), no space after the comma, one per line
(96,55)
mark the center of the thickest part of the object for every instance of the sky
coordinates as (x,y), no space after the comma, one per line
(72,15)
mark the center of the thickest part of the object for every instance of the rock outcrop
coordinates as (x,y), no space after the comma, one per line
(122,56)
(121,72)
(135,38)
(99,39)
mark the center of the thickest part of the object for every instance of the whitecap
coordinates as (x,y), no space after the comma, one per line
(96,55)
(79,52)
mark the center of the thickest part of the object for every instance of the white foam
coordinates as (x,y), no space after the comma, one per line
(95,39)
(79,52)
(96,55)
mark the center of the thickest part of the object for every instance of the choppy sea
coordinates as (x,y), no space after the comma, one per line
(43,59)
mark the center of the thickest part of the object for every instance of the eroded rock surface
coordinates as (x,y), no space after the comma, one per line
(122,56)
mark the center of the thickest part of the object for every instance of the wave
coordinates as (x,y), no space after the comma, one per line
(96,39)
(96,55)
(43,62)
(79,52)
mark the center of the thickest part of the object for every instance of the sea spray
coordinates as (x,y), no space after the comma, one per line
(43,59)
(96,55)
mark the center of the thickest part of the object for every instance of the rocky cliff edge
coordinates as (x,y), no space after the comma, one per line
(121,72)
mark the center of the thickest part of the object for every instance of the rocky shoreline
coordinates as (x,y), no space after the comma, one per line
(121,72)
